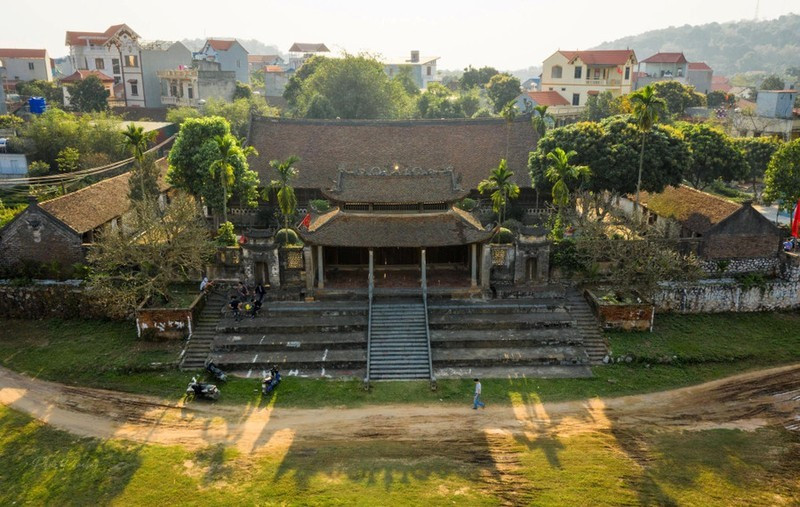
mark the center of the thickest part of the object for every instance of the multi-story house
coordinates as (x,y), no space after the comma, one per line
(231,56)
(192,86)
(257,62)
(577,74)
(700,76)
(116,53)
(674,67)
(302,51)
(422,68)
(26,65)
(158,56)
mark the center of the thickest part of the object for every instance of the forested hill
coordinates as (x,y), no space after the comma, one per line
(728,48)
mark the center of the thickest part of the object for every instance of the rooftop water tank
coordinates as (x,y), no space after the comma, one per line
(37,105)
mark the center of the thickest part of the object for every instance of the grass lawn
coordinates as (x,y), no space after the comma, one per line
(44,466)
(698,347)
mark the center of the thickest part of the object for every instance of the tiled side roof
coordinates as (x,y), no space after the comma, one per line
(666,58)
(261,58)
(338,228)
(22,53)
(95,205)
(548,98)
(308,47)
(79,38)
(601,56)
(471,148)
(220,44)
(387,186)
(274,69)
(698,66)
(80,75)
(696,210)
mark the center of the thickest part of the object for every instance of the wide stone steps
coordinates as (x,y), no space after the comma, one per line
(291,360)
(307,341)
(553,320)
(594,342)
(399,342)
(294,324)
(544,355)
(460,338)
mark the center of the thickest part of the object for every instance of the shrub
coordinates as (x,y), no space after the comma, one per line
(38,168)
(503,236)
(564,255)
(226,236)
(751,280)
(283,234)
(512,225)
(466,204)
(320,205)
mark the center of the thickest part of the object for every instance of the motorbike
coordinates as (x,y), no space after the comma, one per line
(271,381)
(214,370)
(197,389)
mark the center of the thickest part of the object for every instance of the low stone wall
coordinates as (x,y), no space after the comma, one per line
(726,295)
(62,300)
(767,265)
(169,323)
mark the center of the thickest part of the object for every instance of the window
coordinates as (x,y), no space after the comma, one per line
(429,70)
(555,72)
(99,64)
(173,89)
(115,65)
(30,65)
(132,61)
(134,89)
(563,89)
(578,72)
(238,64)
(190,92)
(627,72)
(117,80)
(576,99)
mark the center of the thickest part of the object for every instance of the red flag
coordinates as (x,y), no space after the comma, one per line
(796,220)
(306,221)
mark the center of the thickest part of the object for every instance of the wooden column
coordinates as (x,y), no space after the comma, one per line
(473,248)
(423,268)
(321,269)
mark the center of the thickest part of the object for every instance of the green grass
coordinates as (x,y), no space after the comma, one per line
(704,347)
(44,466)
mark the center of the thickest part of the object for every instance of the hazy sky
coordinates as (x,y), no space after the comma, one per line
(508,34)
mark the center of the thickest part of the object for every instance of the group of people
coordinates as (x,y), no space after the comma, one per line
(243,302)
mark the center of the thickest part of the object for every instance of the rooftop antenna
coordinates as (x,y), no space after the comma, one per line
(758,4)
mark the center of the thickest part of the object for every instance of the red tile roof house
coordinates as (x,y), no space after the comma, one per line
(80,75)
(558,106)
(577,74)
(25,65)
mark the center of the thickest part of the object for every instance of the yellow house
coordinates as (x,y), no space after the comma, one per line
(578,74)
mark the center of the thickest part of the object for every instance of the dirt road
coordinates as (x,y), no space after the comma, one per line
(747,401)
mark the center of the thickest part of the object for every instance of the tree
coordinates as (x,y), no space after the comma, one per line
(714,156)
(192,155)
(469,101)
(169,245)
(561,174)
(718,98)
(52,92)
(295,85)
(239,112)
(502,89)
(287,200)
(600,106)
(782,179)
(758,152)
(242,91)
(178,115)
(541,119)
(647,108)
(143,181)
(438,101)
(502,189)
(67,160)
(406,82)
(476,78)
(223,165)
(89,95)
(772,82)
(677,96)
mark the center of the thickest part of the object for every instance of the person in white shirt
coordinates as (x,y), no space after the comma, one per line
(477,401)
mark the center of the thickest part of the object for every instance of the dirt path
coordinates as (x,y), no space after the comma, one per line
(747,401)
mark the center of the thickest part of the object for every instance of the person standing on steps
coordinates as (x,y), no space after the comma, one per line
(477,401)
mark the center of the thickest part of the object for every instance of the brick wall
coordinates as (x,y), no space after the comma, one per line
(740,246)
(36,236)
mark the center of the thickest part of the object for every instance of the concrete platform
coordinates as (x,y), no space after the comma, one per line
(512,372)
(533,356)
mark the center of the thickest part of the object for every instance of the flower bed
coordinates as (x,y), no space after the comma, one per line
(173,321)
(624,311)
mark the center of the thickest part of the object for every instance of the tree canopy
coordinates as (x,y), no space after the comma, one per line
(678,96)
(713,155)
(472,77)
(502,89)
(88,95)
(757,152)
(782,179)
(772,82)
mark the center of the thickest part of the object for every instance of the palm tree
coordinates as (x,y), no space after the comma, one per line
(229,151)
(135,140)
(509,113)
(502,188)
(287,200)
(647,108)
(539,119)
(561,173)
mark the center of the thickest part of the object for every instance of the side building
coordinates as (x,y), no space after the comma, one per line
(25,65)
(229,54)
(576,75)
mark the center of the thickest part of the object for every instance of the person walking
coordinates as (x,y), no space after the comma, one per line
(477,401)
(260,292)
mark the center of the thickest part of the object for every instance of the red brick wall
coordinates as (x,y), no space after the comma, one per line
(739,246)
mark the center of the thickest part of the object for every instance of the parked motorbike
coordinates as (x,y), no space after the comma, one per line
(214,370)
(271,381)
(203,390)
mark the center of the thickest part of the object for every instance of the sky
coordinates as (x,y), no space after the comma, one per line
(508,35)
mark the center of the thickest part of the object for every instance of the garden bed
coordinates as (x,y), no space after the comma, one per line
(626,311)
(173,319)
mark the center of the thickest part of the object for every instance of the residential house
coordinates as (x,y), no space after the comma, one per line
(302,51)
(562,111)
(25,65)
(663,67)
(700,76)
(532,84)
(577,74)
(258,62)
(720,84)
(116,53)
(157,56)
(80,75)
(721,229)
(422,68)
(3,107)
(773,115)
(59,230)
(275,80)
(229,54)
(192,86)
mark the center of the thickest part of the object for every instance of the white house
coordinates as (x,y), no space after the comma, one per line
(302,51)
(231,56)
(116,53)
(26,65)
(577,74)
(422,68)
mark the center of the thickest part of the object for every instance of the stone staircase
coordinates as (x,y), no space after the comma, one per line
(200,343)
(399,341)
(593,341)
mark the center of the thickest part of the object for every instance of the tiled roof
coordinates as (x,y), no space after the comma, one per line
(446,228)
(471,148)
(274,69)
(79,38)
(308,47)
(698,66)
(90,207)
(601,56)
(220,44)
(262,58)
(696,210)
(22,53)
(548,98)
(387,186)
(666,58)
(80,75)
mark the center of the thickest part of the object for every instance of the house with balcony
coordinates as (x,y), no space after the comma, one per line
(191,86)
(663,67)
(302,51)
(157,56)
(25,65)
(116,53)
(576,75)
(229,54)
(422,68)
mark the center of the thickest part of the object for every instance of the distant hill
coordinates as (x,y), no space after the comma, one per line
(729,48)
(253,46)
